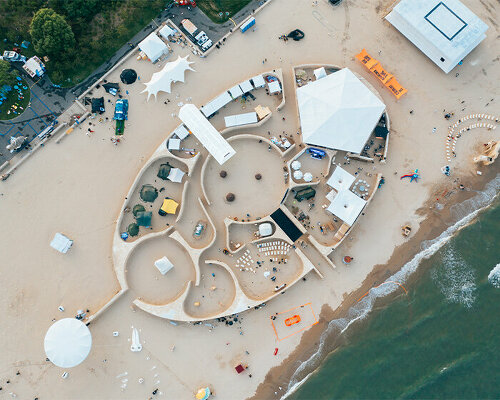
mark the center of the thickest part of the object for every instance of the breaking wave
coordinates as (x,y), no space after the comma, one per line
(494,276)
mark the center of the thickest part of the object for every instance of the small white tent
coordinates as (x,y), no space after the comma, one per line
(153,47)
(338,112)
(67,342)
(176,175)
(167,31)
(164,265)
(171,72)
(265,229)
(347,206)
(61,243)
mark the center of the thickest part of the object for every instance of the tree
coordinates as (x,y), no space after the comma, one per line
(7,77)
(75,9)
(51,34)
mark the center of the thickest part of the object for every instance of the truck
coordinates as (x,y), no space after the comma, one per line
(121,115)
(189,26)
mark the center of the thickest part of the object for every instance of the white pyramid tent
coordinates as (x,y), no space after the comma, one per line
(338,112)
(67,342)
(171,72)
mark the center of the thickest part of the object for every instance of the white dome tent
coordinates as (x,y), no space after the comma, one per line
(171,72)
(67,342)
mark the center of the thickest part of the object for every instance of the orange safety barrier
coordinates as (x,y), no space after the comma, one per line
(385,77)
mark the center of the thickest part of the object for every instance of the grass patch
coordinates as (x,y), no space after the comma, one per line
(213,8)
(13,100)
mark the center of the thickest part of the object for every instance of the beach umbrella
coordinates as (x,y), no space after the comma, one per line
(137,209)
(133,229)
(296,165)
(149,193)
(128,76)
(164,171)
(297,175)
(67,342)
(169,206)
(308,177)
(230,197)
(203,393)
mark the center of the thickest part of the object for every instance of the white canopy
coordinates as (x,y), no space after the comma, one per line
(246,86)
(240,119)
(174,144)
(296,165)
(319,73)
(298,174)
(181,132)
(176,175)
(340,179)
(338,112)
(164,265)
(67,342)
(167,31)
(347,206)
(274,87)
(265,229)
(209,137)
(444,30)
(171,72)
(153,46)
(235,92)
(258,81)
(61,243)
(216,104)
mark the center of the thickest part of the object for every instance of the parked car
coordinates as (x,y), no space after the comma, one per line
(201,38)
(13,56)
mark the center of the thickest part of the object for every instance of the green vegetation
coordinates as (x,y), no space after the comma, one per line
(7,77)
(51,34)
(213,8)
(99,28)
(16,100)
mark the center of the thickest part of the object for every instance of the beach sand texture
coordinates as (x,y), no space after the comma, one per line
(78,187)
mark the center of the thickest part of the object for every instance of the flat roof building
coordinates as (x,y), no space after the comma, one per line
(444,30)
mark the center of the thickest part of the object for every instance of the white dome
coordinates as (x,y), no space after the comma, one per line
(296,165)
(308,177)
(67,342)
(297,175)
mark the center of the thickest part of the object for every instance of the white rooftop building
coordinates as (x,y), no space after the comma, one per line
(444,30)
(171,72)
(153,47)
(340,179)
(209,137)
(338,112)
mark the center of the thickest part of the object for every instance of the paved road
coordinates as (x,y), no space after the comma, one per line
(59,99)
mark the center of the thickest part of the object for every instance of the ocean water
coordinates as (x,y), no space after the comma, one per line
(439,341)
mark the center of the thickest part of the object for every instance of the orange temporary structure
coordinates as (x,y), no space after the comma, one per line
(385,77)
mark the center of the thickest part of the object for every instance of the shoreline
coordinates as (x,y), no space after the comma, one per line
(429,229)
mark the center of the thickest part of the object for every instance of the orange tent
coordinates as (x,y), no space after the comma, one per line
(385,77)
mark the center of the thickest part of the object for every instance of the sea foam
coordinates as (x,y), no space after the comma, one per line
(494,276)
(464,213)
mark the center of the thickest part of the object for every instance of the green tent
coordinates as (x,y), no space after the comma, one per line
(133,229)
(143,218)
(164,171)
(149,193)
(137,209)
(305,193)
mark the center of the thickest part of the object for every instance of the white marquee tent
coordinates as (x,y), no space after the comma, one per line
(209,137)
(216,104)
(172,72)
(340,179)
(153,47)
(61,243)
(67,342)
(167,31)
(176,175)
(338,112)
(347,206)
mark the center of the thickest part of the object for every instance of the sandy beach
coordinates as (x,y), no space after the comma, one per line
(78,187)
